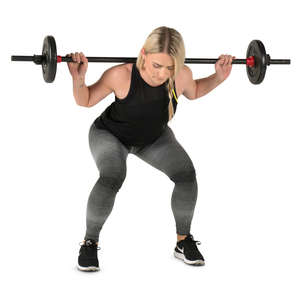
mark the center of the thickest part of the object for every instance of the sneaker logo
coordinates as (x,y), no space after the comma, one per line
(89,242)
(180,250)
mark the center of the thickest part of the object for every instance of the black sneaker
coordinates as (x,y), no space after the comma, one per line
(187,251)
(87,259)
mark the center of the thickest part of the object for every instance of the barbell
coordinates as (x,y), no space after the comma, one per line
(256,62)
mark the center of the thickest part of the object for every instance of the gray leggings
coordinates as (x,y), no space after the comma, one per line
(165,154)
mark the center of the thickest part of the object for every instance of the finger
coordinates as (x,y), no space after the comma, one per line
(226,59)
(221,59)
(80,57)
(83,58)
(77,57)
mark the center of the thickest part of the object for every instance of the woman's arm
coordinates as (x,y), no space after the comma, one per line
(194,89)
(205,85)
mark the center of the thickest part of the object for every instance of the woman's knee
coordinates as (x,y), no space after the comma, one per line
(113,181)
(185,175)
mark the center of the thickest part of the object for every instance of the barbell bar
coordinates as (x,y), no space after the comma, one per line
(256,62)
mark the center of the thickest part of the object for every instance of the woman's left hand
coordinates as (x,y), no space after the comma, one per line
(223,66)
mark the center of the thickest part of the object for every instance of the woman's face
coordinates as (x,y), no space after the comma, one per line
(158,66)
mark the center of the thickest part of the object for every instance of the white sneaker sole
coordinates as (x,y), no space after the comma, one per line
(182,257)
(88,269)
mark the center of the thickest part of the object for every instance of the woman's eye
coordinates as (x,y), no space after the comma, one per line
(157,66)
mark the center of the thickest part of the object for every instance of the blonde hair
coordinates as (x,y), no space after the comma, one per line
(165,40)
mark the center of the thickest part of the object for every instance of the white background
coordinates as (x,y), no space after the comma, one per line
(243,140)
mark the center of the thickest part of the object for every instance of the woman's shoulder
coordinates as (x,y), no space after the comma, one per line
(180,79)
(122,72)
(122,77)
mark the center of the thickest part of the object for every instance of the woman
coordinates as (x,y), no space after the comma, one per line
(146,96)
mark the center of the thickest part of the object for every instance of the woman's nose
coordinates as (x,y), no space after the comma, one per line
(163,74)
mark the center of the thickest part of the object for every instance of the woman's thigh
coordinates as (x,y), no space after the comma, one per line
(108,152)
(167,155)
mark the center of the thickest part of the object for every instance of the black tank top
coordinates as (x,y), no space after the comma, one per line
(140,118)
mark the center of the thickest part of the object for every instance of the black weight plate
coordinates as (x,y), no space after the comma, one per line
(257,73)
(49,59)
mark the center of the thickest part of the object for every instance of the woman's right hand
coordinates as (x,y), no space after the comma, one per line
(76,68)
